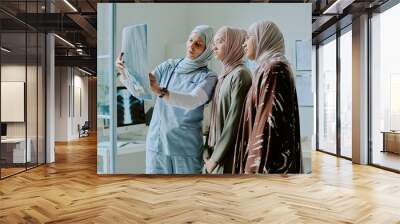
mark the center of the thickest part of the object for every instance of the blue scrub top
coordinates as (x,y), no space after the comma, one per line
(176,131)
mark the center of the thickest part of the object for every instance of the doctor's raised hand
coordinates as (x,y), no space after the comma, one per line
(155,88)
(119,63)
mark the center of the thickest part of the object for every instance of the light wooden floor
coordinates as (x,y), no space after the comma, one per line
(69,191)
(9,171)
(5,172)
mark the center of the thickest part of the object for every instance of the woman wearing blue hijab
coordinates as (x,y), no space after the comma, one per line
(174,141)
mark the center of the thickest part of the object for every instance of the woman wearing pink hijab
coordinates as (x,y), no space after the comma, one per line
(229,96)
(269,133)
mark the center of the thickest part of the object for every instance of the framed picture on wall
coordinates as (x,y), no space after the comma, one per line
(303,55)
(13,101)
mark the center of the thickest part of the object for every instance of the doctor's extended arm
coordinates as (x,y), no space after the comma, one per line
(197,97)
(189,101)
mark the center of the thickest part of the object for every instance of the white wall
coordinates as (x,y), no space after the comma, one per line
(16,72)
(165,25)
(13,72)
(50,96)
(179,19)
(297,26)
(68,81)
(61,103)
(360,90)
(80,82)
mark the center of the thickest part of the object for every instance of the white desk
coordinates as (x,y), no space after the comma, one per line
(18,150)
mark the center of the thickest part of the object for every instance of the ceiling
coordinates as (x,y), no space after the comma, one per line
(77,25)
(76,22)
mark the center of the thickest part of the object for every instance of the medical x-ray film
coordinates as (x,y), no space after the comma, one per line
(134,47)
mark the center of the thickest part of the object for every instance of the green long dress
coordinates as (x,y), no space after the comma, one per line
(232,96)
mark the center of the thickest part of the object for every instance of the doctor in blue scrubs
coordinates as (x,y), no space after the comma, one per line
(183,86)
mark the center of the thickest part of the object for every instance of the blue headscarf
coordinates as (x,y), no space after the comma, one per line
(188,65)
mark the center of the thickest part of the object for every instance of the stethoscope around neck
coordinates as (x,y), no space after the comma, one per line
(173,71)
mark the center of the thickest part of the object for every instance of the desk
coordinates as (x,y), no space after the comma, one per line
(13,150)
(391,141)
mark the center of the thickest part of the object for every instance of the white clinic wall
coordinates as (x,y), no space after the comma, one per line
(297,26)
(170,24)
(165,25)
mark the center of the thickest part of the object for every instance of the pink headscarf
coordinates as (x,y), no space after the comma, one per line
(270,44)
(234,53)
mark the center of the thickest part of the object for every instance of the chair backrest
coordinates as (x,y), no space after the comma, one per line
(86,124)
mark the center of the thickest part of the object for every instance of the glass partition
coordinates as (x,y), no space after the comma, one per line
(22,77)
(385,89)
(41,96)
(15,151)
(31,98)
(346,93)
(106,90)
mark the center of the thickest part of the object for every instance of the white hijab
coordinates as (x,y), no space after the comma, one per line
(188,65)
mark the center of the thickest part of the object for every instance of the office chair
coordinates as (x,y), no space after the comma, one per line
(84,130)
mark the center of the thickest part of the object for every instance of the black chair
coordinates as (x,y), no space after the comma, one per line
(84,130)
